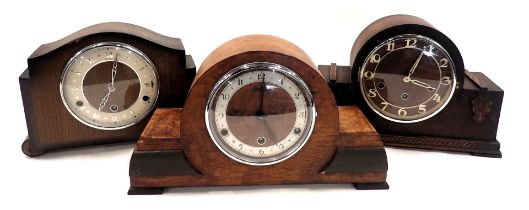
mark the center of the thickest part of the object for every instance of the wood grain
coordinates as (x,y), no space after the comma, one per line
(304,167)
(162,131)
(380,25)
(51,126)
(468,123)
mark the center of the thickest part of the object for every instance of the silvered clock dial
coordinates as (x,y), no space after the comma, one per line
(109,85)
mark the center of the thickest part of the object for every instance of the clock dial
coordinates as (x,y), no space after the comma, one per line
(260,113)
(109,86)
(407,78)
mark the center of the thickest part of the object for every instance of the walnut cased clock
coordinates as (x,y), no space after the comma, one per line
(258,113)
(410,81)
(100,85)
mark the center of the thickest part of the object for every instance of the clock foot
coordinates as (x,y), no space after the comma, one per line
(146,190)
(492,154)
(26,149)
(372,186)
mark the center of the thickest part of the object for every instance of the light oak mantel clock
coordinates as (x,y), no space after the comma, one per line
(258,113)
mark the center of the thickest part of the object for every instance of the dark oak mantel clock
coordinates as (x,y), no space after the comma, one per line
(101,85)
(409,80)
(258,113)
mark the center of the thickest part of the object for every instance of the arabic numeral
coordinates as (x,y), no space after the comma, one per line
(375,58)
(109,55)
(402,112)
(385,105)
(297,95)
(369,75)
(446,81)
(422,109)
(437,98)
(444,63)
(411,42)
(303,114)
(372,93)
(391,46)
(261,76)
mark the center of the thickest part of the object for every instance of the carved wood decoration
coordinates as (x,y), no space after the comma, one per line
(51,126)
(342,148)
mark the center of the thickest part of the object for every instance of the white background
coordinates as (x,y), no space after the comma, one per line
(492,38)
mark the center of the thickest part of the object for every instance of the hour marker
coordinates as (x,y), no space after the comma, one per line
(224,132)
(79,103)
(96,116)
(145,98)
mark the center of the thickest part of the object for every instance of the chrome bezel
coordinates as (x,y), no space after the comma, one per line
(388,117)
(230,152)
(110,44)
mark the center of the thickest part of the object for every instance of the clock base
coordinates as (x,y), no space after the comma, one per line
(481,148)
(161,190)
(161,159)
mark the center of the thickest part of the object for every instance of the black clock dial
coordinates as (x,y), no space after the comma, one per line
(407,78)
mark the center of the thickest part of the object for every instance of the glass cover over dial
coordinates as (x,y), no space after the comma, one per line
(407,78)
(260,113)
(109,86)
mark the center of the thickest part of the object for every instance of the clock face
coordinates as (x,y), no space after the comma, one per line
(407,78)
(109,86)
(260,113)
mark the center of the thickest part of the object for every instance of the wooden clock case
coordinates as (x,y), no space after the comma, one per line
(467,124)
(175,149)
(50,126)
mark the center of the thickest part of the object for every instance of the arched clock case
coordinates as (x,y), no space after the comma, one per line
(409,80)
(258,113)
(100,85)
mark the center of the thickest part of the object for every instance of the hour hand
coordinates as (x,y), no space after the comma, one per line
(419,83)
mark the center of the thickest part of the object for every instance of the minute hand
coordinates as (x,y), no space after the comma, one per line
(415,64)
(111,87)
